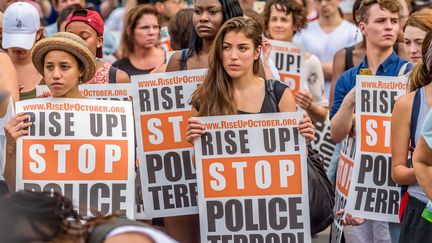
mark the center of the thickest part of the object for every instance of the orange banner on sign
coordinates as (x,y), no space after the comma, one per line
(165,131)
(343,180)
(73,159)
(292,80)
(375,134)
(252,176)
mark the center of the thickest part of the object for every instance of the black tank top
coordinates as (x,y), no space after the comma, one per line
(266,107)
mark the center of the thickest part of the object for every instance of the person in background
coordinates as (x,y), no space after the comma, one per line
(379,23)
(59,5)
(88,25)
(140,50)
(333,32)
(21,28)
(406,129)
(167,9)
(180,28)
(282,19)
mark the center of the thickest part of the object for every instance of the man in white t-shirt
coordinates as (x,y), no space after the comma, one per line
(326,35)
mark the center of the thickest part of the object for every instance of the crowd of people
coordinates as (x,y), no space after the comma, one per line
(67,43)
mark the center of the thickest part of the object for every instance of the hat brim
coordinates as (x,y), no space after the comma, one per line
(64,44)
(21,40)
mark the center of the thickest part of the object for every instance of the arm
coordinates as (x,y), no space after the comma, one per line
(338,69)
(328,70)
(122,77)
(317,112)
(107,6)
(14,129)
(400,140)
(266,50)
(174,62)
(343,121)
(46,7)
(422,161)
(8,81)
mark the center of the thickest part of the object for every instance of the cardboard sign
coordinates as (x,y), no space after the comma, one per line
(374,195)
(82,149)
(161,115)
(343,184)
(252,179)
(114,91)
(289,61)
(323,142)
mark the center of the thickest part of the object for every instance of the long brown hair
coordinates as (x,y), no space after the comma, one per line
(421,75)
(215,95)
(132,17)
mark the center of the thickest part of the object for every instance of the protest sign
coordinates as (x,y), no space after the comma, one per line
(165,39)
(323,142)
(343,183)
(289,61)
(82,149)
(161,115)
(252,177)
(373,194)
(114,91)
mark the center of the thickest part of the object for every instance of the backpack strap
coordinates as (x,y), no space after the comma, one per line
(270,85)
(183,59)
(112,79)
(99,232)
(349,57)
(414,118)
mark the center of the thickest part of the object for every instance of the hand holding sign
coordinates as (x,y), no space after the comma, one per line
(304,99)
(194,129)
(306,128)
(16,127)
(349,219)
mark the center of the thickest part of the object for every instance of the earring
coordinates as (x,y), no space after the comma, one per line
(80,80)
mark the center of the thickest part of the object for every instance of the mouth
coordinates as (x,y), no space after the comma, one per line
(388,36)
(56,85)
(233,67)
(415,58)
(204,29)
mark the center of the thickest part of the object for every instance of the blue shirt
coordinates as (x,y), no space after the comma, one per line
(347,80)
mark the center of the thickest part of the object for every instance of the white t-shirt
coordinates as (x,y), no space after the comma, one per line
(325,45)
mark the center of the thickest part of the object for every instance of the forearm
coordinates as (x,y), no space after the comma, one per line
(267,71)
(10,167)
(328,70)
(107,6)
(342,122)
(317,113)
(403,175)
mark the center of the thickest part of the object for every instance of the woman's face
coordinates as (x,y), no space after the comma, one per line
(207,18)
(62,73)
(146,32)
(87,33)
(280,25)
(413,40)
(238,54)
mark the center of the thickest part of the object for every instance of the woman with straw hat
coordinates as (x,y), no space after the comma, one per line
(64,61)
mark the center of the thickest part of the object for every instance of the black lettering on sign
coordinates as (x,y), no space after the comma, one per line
(239,215)
(221,142)
(174,196)
(103,199)
(377,200)
(175,166)
(169,97)
(51,123)
(378,101)
(278,139)
(257,238)
(105,124)
(287,62)
(379,166)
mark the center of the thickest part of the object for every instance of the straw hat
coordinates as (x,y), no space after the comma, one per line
(67,42)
